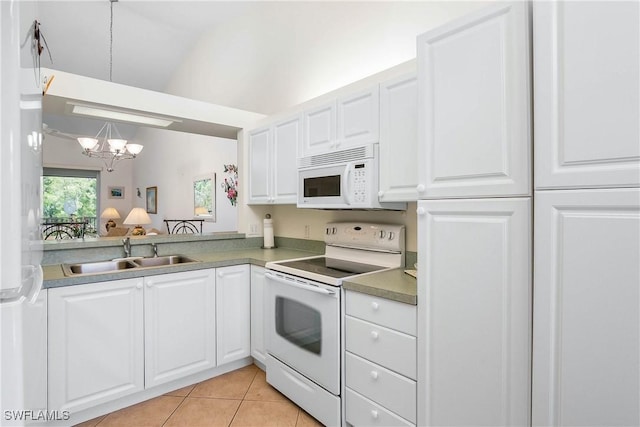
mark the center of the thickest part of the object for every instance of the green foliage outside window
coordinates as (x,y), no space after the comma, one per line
(77,195)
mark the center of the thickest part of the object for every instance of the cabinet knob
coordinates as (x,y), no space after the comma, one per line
(421,211)
(374,414)
(375,306)
(380,193)
(420,188)
(374,375)
(220,274)
(149,284)
(374,335)
(139,286)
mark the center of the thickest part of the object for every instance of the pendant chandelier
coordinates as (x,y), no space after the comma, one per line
(108,144)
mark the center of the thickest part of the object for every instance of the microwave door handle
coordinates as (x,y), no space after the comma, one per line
(296,284)
(346,187)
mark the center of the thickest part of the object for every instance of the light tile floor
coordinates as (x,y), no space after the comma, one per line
(239,398)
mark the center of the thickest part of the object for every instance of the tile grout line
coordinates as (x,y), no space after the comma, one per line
(255,374)
(174,411)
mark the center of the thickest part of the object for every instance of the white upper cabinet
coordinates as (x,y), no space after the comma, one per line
(474,105)
(358,119)
(273,173)
(586,342)
(399,139)
(474,317)
(319,130)
(587,94)
(351,120)
(259,165)
(180,325)
(287,135)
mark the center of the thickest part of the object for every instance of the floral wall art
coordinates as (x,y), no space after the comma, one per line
(230,184)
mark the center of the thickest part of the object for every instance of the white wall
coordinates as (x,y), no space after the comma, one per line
(278,54)
(170,161)
(65,153)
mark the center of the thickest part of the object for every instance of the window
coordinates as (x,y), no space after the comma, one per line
(71,195)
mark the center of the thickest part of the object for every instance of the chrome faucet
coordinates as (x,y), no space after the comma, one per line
(127,247)
(155,250)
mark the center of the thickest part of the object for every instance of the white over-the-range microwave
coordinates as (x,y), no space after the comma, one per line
(346,179)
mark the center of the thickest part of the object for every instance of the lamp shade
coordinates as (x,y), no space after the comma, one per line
(110,213)
(137,216)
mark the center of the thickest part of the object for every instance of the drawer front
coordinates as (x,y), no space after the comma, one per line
(392,314)
(391,349)
(391,390)
(318,402)
(363,412)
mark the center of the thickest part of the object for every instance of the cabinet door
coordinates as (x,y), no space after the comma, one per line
(233,305)
(399,139)
(358,119)
(319,130)
(258,350)
(586,345)
(96,343)
(287,135)
(179,325)
(474,105)
(259,166)
(474,322)
(587,94)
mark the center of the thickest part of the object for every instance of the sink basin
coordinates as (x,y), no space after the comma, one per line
(96,267)
(163,260)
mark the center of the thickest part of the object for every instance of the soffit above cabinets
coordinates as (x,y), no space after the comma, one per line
(67,91)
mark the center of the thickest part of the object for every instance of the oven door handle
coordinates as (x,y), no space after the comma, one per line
(296,284)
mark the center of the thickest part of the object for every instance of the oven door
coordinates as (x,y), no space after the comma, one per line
(303,327)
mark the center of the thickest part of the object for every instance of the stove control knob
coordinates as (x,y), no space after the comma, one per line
(382,234)
(391,235)
(334,230)
(328,231)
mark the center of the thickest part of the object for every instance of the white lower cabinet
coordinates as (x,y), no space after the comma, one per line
(96,343)
(258,349)
(586,345)
(380,361)
(474,323)
(233,315)
(180,325)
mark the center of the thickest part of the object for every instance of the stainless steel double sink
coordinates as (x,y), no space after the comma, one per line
(85,268)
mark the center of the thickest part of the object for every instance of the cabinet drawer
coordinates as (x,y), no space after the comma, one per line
(392,314)
(361,411)
(389,348)
(391,390)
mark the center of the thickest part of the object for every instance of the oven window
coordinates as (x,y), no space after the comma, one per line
(299,324)
(322,186)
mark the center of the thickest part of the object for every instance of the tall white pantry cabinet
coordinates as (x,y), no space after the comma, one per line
(586,324)
(474,220)
(530,317)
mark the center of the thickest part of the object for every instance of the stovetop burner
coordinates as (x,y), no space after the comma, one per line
(332,267)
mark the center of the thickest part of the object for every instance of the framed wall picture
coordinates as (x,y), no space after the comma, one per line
(152,200)
(116,192)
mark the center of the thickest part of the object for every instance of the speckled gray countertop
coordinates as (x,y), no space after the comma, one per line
(54,277)
(391,284)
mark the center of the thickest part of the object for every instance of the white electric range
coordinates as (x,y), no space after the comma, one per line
(303,312)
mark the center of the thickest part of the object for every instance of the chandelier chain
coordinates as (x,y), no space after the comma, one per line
(111,43)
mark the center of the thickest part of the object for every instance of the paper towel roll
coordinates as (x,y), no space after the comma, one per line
(268,232)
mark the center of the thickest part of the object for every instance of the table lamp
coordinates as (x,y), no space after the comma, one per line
(136,217)
(110,214)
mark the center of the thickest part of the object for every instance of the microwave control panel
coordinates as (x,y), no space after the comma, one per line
(359,183)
